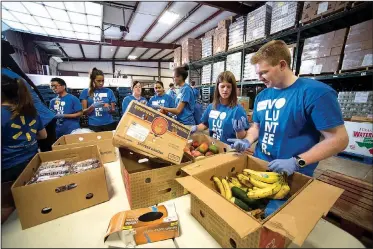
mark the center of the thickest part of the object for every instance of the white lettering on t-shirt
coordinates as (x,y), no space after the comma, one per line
(217,123)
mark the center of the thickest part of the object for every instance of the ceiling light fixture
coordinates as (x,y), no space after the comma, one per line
(168,17)
(132,57)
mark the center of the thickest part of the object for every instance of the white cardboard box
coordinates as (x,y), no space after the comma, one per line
(361,138)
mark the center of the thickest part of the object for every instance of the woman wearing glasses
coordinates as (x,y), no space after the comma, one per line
(98,103)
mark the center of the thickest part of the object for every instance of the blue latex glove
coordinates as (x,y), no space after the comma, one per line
(58,115)
(156,106)
(239,125)
(240,145)
(284,165)
(194,129)
(98,104)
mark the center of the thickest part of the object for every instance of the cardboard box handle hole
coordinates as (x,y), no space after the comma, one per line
(233,243)
(233,169)
(178,173)
(89,196)
(151,216)
(225,149)
(46,210)
(164,191)
(201,213)
(148,180)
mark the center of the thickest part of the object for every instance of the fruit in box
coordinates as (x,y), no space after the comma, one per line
(203,148)
(196,153)
(214,149)
(209,153)
(195,144)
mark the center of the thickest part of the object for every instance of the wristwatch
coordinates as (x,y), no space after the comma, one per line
(300,161)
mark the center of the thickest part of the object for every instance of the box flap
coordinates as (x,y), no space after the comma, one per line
(297,219)
(242,223)
(210,163)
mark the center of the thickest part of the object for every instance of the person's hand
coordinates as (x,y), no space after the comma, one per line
(287,166)
(59,115)
(239,125)
(97,104)
(240,145)
(193,130)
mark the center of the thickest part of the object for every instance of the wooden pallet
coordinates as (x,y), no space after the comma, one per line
(315,75)
(356,157)
(354,208)
(358,69)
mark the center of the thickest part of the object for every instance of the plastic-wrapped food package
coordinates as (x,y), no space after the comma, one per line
(356,103)
(284,15)
(84,166)
(206,74)
(206,46)
(258,23)
(236,33)
(217,68)
(81,131)
(234,64)
(249,70)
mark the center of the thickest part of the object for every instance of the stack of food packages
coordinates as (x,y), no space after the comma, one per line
(292,53)
(206,74)
(177,57)
(258,23)
(284,15)
(234,62)
(236,33)
(191,50)
(194,76)
(322,53)
(59,168)
(249,70)
(201,150)
(206,46)
(217,68)
(251,190)
(358,51)
(316,9)
(356,103)
(220,40)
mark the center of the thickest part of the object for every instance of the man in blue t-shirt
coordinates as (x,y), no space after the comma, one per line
(291,115)
(67,107)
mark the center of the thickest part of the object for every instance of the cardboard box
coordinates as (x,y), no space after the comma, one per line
(177,57)
(210,33)
(152,132)
(148,181)
(314,10)
(142,226)
(220,41)
(231,227)
(284,16)
(102,139)
(191,50)
(245,103)
(360,138)
(225,23)
(258,23)
(41,202)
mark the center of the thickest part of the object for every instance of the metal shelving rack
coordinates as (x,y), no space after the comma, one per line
(298,34)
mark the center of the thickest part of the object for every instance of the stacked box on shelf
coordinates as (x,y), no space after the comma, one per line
(249,69)
(191,50)
(206,46)
(236,33)
(194,76)
(356,103)
(233,64)
(258,23)
(217,68)
(292,54)
(315,10)
(206,74)
(322,53)
(358,51)
(220,38)
(284,16)
(177,57)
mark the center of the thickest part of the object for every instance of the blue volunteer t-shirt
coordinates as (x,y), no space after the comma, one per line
(196,93)
(220,121)
(164,100)
(127,100)
(18,138)
(100,116)
(45,114)
(197,113)
(68,104)
(186,95)
(291,119)
(172,93)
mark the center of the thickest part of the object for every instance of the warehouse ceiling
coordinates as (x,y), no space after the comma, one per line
(116,30)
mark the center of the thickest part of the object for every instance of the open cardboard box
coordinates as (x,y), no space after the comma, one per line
(102,139)
(41,202)
(232,227)
(150,132)
(148,181)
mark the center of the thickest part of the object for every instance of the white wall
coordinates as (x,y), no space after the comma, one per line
(85,66)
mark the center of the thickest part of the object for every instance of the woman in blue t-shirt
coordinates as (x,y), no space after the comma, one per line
(185,100)
(224,118)
(160,99)
(98,103)
(136,95)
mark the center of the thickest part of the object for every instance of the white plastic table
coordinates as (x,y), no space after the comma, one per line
(87,227)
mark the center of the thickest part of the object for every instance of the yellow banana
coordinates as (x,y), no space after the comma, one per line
(219,184)
(281,194)
(267,177)
(231,185)
(228,192)
(236,182)
(265,192)
(259,184)
(255,188)
(244,180)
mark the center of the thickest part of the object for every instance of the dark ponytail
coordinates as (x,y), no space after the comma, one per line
(182,71)
(92,76)
(15,92)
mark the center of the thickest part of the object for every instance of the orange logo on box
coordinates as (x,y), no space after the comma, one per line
(159,126)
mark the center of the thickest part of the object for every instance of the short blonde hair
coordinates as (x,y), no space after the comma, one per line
(272,52)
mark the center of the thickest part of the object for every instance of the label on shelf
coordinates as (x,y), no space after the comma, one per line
(317,69)
(323,7)
(361,97)
(368,60)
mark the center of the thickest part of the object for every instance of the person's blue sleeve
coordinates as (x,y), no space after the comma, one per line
(39,123)
(171,102)
(325,111)
(186,95)
(77,106)
(205,116)
(146,101)
(125,104)
(84,94)
(241,113)
(112,98)
(150,101)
